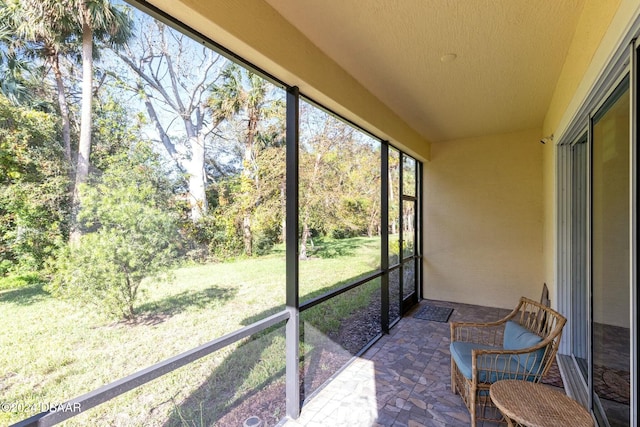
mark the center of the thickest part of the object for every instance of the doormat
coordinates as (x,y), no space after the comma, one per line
(434,313)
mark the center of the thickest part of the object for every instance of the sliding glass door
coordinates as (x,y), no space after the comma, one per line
(610,261)
(597,246)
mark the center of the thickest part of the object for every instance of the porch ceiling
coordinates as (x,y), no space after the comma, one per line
(509,54)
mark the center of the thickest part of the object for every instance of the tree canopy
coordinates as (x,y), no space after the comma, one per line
(154,149)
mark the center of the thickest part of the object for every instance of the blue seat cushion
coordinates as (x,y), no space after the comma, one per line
(517,337)
(490,368)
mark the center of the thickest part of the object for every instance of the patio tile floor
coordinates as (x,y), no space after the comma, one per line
(403,380)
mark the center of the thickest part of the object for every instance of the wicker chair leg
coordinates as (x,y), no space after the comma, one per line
(472,405)
(453,376)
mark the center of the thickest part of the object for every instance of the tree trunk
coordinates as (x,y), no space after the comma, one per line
(283,207)
(247,204)
(193,167)
(394,227)
(248,161)
(84,146)
(246,235)
(303,241)
(131,297)
(373,222)
(197,179)
(64,108)
(149,82)
(309,195)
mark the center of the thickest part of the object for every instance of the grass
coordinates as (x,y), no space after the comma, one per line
(18,281)
(51,351)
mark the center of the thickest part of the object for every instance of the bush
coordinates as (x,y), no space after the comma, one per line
(107,267)
(394,248)
(263,244)
(214,237)
(33,189)
(133,236)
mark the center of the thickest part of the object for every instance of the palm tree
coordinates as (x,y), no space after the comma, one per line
(102,22)
(227,100)
(41,29)
(11,67)
(51,29)
(12,76)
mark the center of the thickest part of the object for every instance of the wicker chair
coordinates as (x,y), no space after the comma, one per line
(520,346)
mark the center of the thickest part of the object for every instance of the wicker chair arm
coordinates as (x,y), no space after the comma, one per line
(481,324)
(481,333)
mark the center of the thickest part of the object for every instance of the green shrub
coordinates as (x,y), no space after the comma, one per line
(33,189)
(132,235)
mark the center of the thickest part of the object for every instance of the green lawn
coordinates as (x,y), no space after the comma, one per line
(51,351)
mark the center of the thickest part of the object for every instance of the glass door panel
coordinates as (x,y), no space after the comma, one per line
(408,231)
(394,207)
(408,228)
(409,297)
(610,312)
(408,176)
(395,299)
(409,279)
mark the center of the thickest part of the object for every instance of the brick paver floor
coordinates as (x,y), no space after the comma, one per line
(403,380)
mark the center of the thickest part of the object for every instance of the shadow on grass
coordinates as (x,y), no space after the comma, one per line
(335,248)
(307,297)
(24,296)
(249,382)
(174,304)
(251,379)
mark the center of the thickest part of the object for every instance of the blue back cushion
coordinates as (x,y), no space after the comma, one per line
(517,337)
(490,368)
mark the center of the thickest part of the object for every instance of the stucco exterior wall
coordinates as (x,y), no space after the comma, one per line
(483,220)
(593,28)
(600,30)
